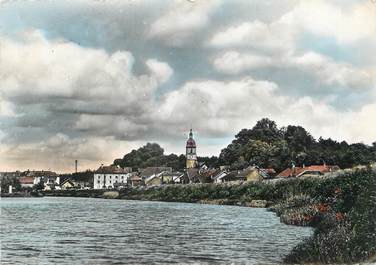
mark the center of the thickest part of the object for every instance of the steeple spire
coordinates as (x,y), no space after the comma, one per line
(191,151)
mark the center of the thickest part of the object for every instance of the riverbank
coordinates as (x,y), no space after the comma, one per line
(21,195)
(342,210)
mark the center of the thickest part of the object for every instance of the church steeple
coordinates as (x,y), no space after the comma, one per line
(191,151)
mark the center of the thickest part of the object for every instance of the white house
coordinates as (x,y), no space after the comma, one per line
(50,182)
(109,177)
(219,178)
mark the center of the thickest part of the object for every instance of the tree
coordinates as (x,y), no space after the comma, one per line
(266,145)
(10,181)
(150,155)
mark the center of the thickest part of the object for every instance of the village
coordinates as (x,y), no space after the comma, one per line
(114,177)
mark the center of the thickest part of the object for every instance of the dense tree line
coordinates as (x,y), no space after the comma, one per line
(152,155)
(264,145)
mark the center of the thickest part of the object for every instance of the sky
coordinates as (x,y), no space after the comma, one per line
(92,80)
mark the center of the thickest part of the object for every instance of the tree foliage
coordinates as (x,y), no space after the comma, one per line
(266,145)
(150,155)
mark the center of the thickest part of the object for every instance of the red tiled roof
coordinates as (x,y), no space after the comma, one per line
(292,172)
(321,168)
(26,180)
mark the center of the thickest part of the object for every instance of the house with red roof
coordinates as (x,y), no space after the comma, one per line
(27,182)
(313,170)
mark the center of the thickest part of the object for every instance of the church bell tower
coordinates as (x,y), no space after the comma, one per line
(191,152)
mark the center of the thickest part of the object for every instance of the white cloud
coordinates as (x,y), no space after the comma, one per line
(346,23)
(6,108)
(181,20)
(233,62)
(331,72)
(219,109)
(60,69)
(161,70)
(274,37)
(74,89)
(324,69)
(83,79)
(114,125)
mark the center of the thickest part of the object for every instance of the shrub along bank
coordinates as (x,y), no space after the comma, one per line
(343,212)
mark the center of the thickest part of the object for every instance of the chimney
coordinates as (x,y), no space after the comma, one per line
(76,164)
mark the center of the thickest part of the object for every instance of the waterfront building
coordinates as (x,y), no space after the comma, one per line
(109,177)
(147,172)
(49,178)
(27,182)
(67,184)
(227,176)
(164,177)
(154,180)
(135,181)
(191,156)
(255,174)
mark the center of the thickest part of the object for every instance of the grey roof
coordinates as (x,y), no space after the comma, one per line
(149,171)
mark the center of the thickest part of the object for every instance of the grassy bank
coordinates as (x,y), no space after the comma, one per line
(342,210)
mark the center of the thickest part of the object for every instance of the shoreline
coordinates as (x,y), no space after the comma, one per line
(341,210)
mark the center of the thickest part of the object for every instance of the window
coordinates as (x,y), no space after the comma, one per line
(110,181)
(99,181)
(116,177)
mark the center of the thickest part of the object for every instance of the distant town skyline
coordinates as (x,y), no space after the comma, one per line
(92,80)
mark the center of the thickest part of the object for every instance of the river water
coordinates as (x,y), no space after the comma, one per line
(98,231)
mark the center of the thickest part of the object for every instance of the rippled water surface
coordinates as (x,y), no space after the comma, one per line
(97,231)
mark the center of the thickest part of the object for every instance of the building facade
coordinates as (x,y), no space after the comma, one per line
(191,156)
(109,177)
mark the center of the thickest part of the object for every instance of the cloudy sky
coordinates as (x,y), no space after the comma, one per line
(91,80)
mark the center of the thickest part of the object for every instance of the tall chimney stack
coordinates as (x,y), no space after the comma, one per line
(76,164)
